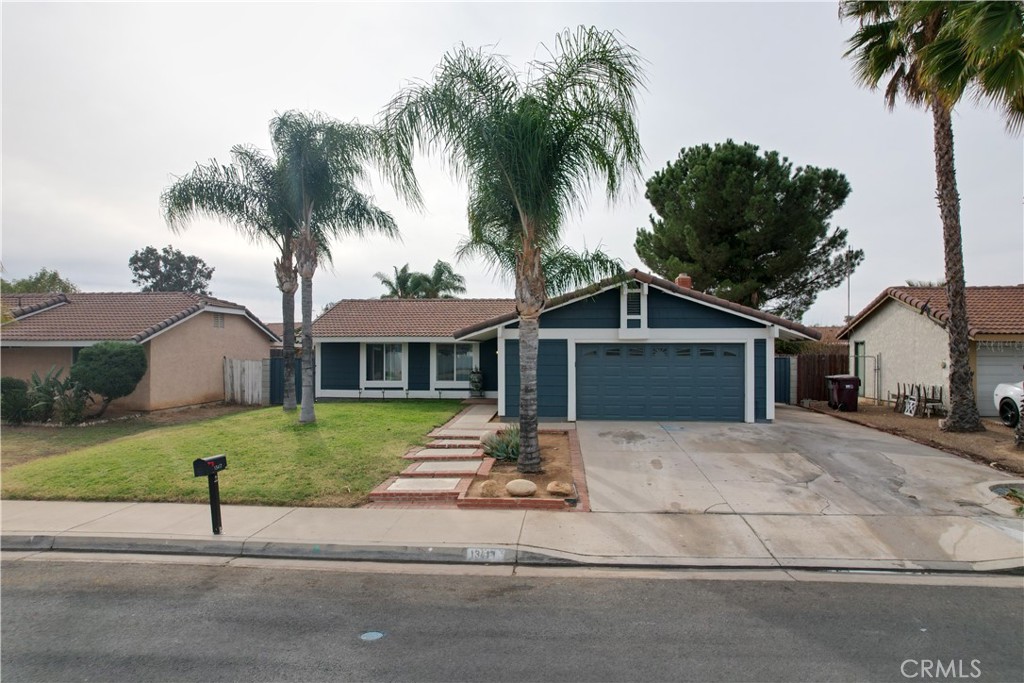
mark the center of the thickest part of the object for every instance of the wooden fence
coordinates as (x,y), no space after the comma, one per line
(243,381)
(812,368)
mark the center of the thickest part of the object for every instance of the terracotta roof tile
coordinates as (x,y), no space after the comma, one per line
(407,317)
(990,310)
(103,316)
(829,334)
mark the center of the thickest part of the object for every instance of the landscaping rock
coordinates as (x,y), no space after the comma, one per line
(560,488)
(490,489)
(521,488)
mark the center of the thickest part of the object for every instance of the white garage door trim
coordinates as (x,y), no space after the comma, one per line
(997,362)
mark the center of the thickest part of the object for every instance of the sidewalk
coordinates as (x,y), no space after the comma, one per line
(878,542)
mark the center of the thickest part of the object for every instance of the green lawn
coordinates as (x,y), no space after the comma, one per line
(272,460)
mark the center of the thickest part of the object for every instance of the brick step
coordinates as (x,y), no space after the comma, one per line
(417,489)
(406,505)
(465,453)
(449,468)
(454,443)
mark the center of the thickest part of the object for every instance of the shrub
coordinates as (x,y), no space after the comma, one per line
(41,393)
(14,403)
(69,402)
(52,398)
(110,369)
(503,446)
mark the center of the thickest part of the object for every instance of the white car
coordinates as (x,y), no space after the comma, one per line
(1007,398)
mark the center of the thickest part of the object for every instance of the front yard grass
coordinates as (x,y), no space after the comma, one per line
(272,460)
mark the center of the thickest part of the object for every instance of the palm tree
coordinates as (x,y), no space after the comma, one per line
(249,195)
(402,286)
(441,283)
(323,163)
(931,54)
(564,268)
(529,147)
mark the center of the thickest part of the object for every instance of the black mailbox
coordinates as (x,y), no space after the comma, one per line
(204,467)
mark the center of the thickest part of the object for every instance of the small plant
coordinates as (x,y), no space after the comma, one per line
(503,446)
(14,402)
(69,402)
(52,398)
(41,394)
(1015,495)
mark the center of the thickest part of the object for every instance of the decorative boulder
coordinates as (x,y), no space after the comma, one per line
(521,488)
(560,488)
(490,489)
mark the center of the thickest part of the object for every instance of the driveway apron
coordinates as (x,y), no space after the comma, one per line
(804,463)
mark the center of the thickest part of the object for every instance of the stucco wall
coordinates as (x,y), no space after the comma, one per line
(913,349)
(22,362)
(186,363)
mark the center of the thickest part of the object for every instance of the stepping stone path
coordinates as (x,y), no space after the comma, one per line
(443,470)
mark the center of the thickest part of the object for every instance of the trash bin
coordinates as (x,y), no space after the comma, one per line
(843,391)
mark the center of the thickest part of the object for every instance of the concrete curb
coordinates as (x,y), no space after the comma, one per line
(469,555)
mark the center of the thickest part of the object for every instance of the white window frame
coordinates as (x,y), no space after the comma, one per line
(450,384)
(367,383)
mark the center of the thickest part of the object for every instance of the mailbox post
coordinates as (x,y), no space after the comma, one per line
(209,467)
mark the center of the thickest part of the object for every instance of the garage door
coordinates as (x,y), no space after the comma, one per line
(996,364)
(659,382)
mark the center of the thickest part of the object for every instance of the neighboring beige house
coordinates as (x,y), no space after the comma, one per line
(186,337)
(901,337)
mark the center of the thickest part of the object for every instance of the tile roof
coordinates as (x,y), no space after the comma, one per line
(407,317)
(990,310)
(663,284)
(829,334)
(104,316)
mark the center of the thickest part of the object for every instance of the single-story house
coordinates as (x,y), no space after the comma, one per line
(186,337)
(900,337)
(633,348)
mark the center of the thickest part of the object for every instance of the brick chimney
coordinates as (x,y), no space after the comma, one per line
(684,280)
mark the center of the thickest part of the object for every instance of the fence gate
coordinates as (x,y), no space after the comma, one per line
(813,368)
(277,381)
(782,365)
(243,381)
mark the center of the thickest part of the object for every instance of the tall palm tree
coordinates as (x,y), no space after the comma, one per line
(529,145)
(401,286)
(324,161)
(249,195)
(441,283)
(931,54)
(564,268)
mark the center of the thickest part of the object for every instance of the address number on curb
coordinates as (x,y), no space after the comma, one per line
(486,554)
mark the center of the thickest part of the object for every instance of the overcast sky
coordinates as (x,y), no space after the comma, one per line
(103,104)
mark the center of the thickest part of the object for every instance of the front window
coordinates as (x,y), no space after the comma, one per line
(384,362)
(454,362)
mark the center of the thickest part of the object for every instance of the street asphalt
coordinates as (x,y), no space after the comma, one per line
(111,621)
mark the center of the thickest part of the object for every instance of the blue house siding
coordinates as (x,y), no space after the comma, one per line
(760,380)
(665,310)
(419,366)
(339,365)
(489,364)
(595,312)
(552,378)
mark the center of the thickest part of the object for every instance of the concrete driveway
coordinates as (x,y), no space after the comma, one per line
(803,464)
